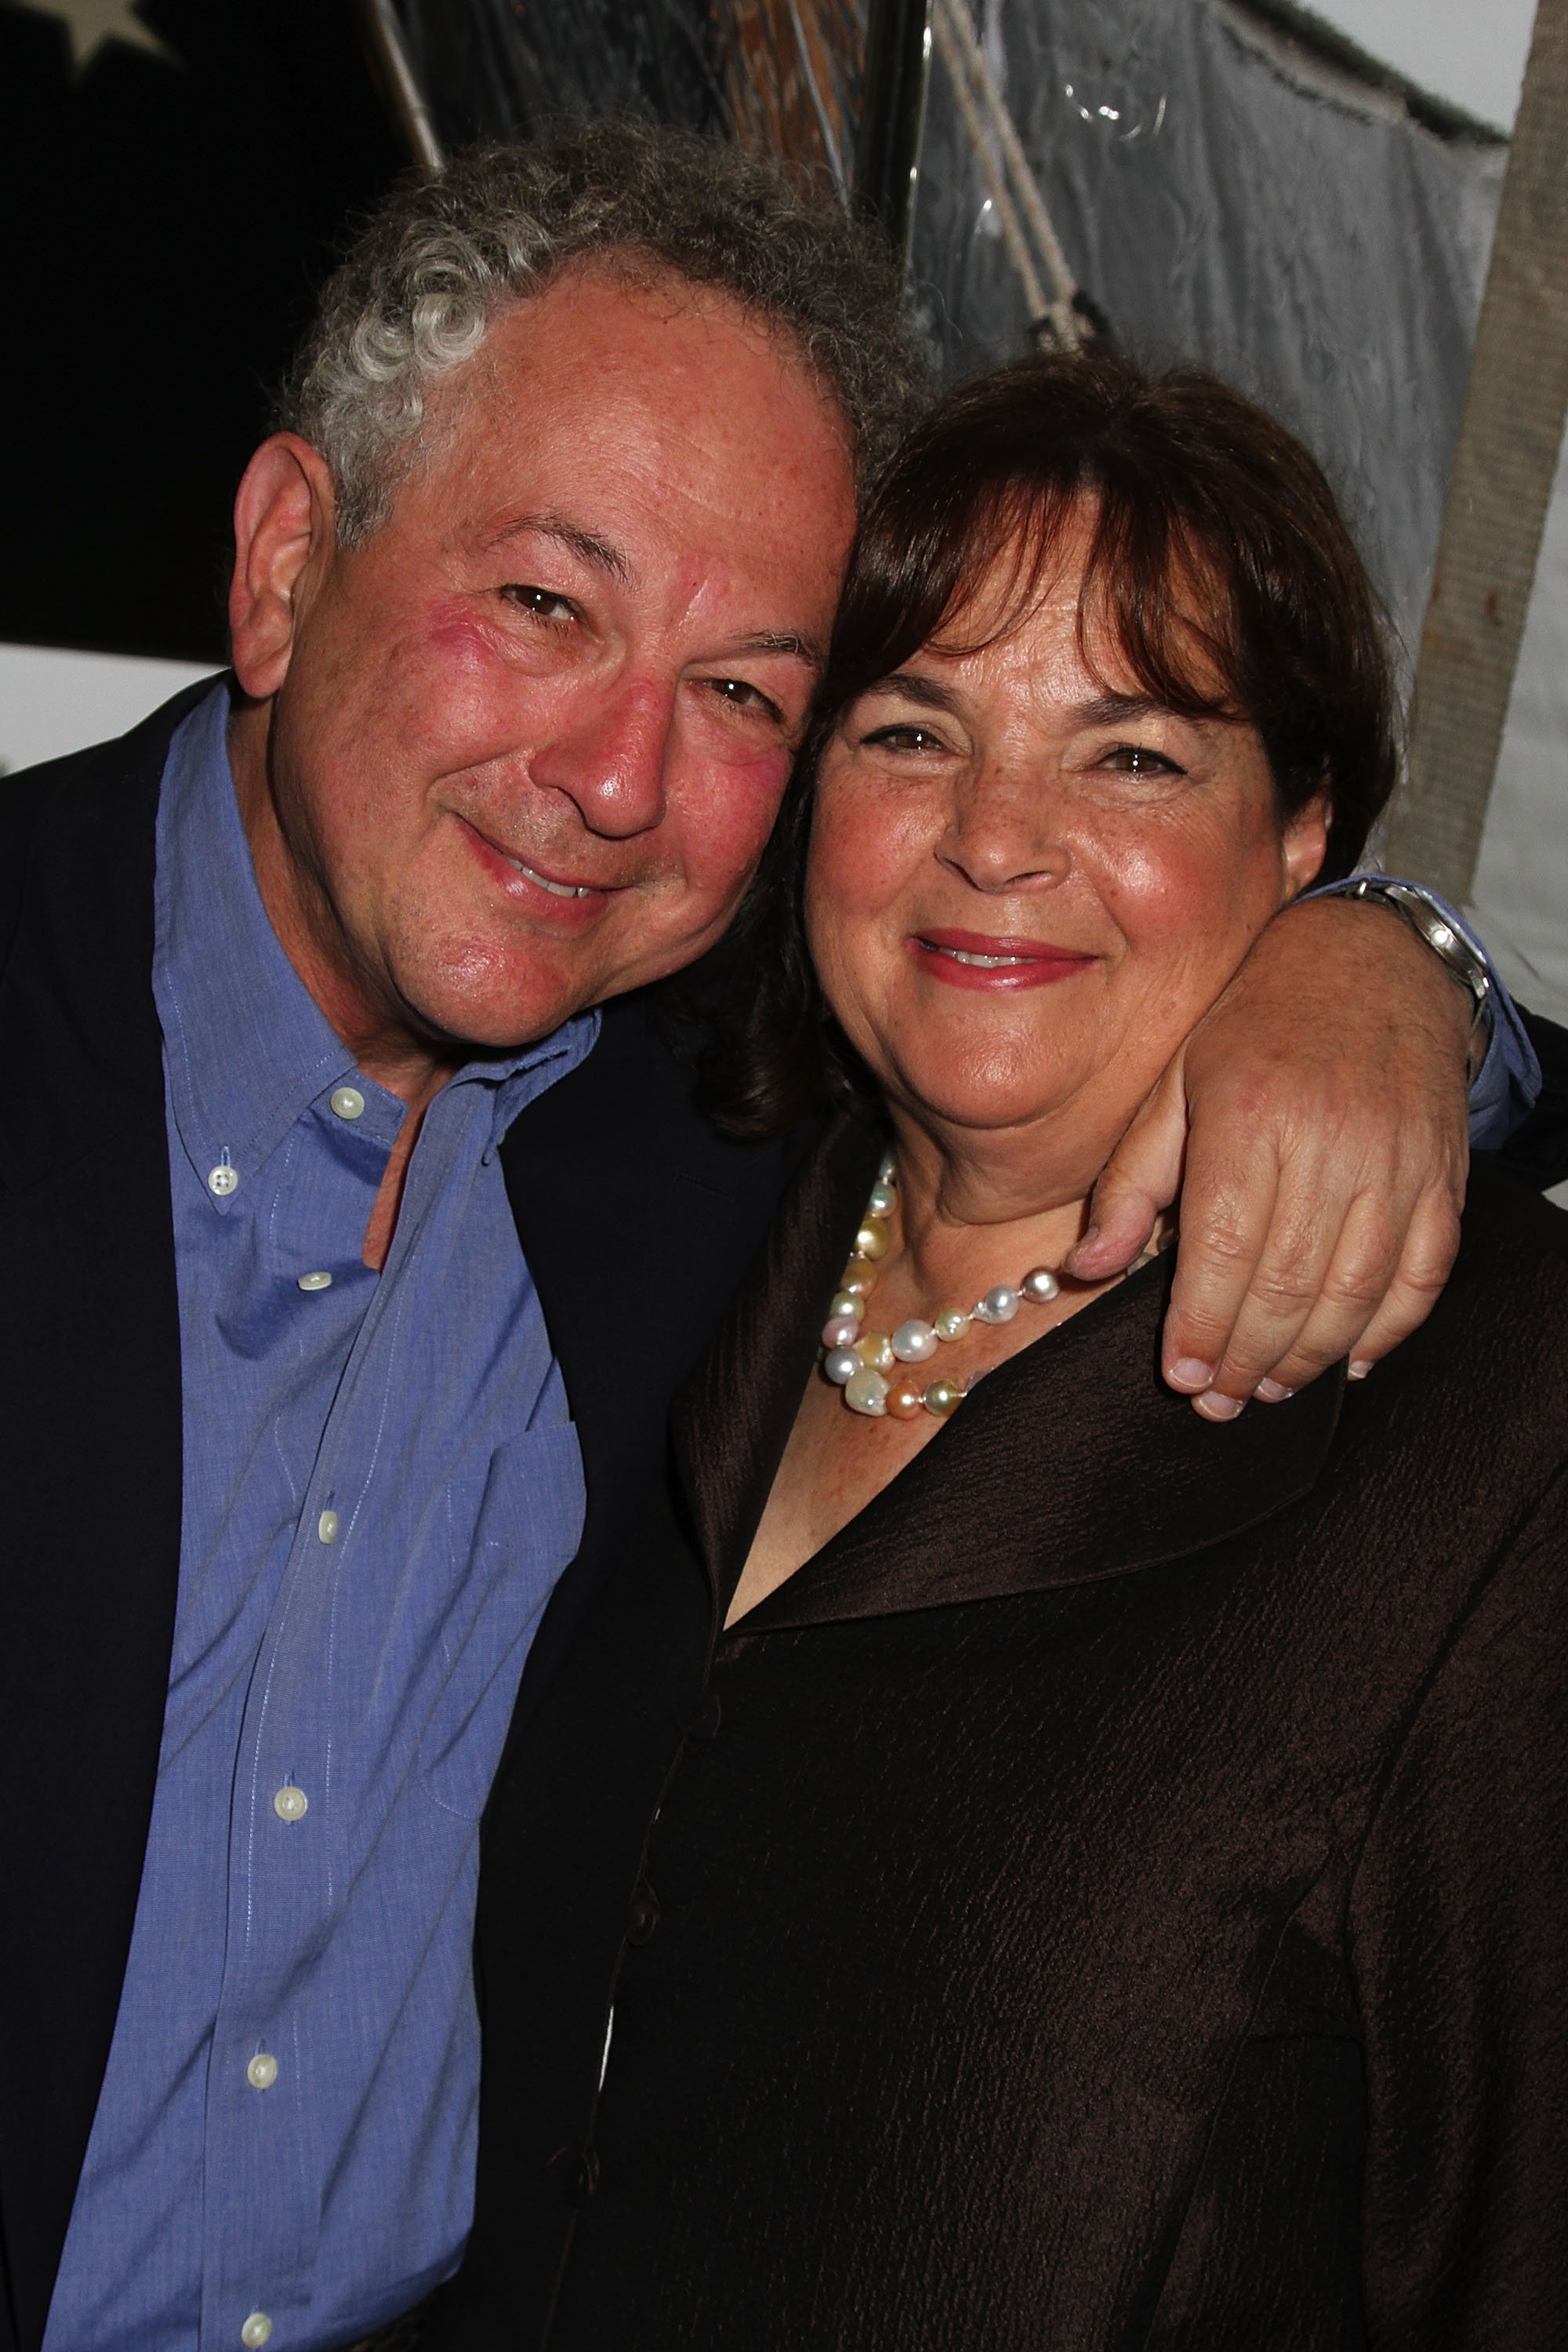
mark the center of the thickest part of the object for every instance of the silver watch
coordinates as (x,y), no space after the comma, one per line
(1450,947)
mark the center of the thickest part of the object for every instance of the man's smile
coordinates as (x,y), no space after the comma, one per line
(527,884)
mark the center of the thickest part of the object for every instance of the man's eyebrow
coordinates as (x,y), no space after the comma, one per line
(600,554)
(783,640)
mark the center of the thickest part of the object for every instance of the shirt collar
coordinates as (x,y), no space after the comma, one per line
(248,1050)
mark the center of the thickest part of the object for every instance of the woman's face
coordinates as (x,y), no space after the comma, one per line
(1027,882)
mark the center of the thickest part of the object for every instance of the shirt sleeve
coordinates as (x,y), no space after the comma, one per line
(1459,1958)
(1509,1080)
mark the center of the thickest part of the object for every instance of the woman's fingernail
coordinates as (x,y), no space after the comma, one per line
(1270,1392)
(1216,1406)
(1187,1372)
(1359,1370)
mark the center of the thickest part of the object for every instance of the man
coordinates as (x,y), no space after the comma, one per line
(353,1257)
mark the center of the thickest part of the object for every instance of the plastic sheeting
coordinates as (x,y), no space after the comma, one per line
(1224,196)
(783,75)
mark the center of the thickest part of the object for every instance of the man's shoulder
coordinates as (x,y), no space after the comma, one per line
(93,802)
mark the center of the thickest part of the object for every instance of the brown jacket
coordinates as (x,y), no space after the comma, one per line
(1115,1895)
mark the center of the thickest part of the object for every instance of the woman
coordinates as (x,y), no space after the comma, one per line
(1091,1893)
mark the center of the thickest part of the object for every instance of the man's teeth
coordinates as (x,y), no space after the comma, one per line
(556,889)
(986,963)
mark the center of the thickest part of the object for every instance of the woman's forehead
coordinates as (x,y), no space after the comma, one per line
(1041,615)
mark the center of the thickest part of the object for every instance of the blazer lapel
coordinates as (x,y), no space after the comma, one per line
(89,1454)
(732,1421)
(1071,1462)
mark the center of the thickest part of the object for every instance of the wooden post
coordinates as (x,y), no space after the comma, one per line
(1504,466)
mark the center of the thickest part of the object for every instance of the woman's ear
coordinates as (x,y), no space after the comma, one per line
(1306,845)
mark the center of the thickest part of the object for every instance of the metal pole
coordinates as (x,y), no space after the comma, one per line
(1509,441)
(389,52)
(892,116)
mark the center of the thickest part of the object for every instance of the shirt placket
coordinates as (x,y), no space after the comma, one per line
(285,1865)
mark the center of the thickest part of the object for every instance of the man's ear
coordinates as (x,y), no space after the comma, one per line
(284,514)
(1306,845)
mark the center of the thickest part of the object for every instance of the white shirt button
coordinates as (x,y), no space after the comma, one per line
(315,1282)
(326,1527)
(262,2071)
(290,1804)
(222,1180)
(256,2331)
(347,1101)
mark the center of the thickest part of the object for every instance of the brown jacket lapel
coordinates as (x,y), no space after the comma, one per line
(1072,1462)
(732,1419)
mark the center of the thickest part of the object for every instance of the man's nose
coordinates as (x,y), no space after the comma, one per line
(1005,829)
(609,756)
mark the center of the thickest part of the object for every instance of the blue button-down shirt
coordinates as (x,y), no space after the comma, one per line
(382,1484)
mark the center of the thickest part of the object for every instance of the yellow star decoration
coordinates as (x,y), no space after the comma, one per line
(92,22)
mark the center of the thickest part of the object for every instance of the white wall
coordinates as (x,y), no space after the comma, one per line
(52,702)
(1470,52)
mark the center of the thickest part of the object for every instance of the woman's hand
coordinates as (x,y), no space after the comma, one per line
(1315,1125)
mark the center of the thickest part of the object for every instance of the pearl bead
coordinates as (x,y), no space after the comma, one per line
(950,1323)
(914,1342)
(998,1306)
(1040,1285)
(887,1173)
(904,1399)
(859,1277)
(845,1302)
(871,1240)
(883,1201)
(840,1365)
(867,1391)
(875,1348)
(839,1331)
(942,1397)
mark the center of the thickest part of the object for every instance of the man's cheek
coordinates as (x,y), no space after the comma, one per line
(726,831)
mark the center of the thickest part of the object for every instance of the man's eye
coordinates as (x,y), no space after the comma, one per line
(906,739)
(740,695)
(1137,760)
(542,601)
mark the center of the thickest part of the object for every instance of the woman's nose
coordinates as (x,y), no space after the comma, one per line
(608,753)
(1005,831)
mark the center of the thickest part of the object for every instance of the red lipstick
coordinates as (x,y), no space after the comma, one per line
(998,964)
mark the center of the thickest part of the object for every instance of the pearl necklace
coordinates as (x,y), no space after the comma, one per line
(866,1364)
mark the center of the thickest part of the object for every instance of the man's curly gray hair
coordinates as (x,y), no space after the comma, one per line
(442,258)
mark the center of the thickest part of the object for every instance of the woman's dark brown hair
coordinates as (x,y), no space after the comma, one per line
(1219,566)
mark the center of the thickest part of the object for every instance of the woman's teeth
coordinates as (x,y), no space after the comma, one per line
(556,889)
(986,963)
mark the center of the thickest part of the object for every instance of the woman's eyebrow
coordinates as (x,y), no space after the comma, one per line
(1120,710)
(913,685)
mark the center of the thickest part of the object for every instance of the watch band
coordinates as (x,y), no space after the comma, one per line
(1449,945)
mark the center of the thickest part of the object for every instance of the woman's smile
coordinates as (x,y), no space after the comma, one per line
(972,960)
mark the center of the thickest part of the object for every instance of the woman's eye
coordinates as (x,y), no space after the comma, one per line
(1137,760)
(905,739)
(543,602)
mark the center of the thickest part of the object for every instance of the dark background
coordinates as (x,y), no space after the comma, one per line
(163,227)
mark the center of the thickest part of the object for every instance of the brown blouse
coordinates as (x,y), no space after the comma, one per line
(1114,1896)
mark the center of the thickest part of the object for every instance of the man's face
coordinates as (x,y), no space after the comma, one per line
(533,733)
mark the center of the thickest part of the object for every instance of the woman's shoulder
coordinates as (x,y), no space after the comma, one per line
(1513,1245)
(1485,1377)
